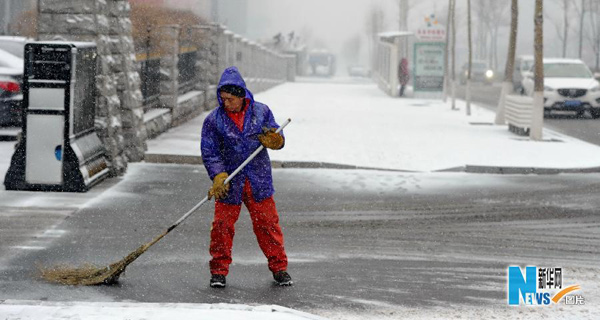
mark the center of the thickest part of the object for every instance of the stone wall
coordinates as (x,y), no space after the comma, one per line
(119,113)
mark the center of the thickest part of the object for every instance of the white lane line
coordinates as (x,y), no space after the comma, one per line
(28,247)
(53,233)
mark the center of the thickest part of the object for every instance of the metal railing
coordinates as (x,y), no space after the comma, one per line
(150,80)
(187,69)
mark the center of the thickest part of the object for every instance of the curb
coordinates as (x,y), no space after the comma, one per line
(172,158)
(527,170)
(24,309)
(197,160)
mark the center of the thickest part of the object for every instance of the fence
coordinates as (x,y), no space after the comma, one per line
(149,70)
(186,66)
(180,69)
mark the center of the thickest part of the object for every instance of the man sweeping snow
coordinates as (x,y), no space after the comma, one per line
(230,133)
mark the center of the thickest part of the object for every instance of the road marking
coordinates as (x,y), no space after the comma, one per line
(29,247)
(53,233)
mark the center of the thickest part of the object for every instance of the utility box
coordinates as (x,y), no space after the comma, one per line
(59,149)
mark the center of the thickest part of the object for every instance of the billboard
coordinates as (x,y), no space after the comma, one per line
(429,66)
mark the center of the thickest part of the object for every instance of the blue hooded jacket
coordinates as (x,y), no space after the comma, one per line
(224,147)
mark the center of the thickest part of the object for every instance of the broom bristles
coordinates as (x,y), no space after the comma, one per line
(88,274)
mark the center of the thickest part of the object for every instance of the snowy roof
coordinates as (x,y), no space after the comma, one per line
(526,57)
(389,34)
(563,60)
(77,44)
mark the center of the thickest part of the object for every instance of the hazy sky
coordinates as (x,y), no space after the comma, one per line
(335,21)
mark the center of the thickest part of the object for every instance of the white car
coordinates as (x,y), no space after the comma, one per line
(569,85)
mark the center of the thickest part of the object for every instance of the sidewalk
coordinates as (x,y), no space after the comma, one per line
(357,125)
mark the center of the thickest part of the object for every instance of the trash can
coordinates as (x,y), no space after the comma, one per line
(59,149)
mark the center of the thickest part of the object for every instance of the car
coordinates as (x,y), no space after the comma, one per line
(481,73)
(11,97)
(358,71)
(322,63)
(569,85)
(523,64)
(14,45)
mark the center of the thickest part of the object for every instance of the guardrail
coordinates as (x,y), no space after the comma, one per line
(519,111)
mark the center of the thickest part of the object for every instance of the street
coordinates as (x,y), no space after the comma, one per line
(120,116)
(586,129)
(360,242)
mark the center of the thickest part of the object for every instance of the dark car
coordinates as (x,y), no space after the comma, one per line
(481,73)
(11,97)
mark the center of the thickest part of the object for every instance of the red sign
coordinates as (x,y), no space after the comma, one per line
(432,34)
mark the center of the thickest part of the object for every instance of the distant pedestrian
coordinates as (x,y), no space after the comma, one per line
(230,133)
(403,75)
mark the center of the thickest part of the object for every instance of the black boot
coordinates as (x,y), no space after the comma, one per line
(217,281)
(283,278)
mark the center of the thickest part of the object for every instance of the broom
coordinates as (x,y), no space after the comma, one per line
(89,274)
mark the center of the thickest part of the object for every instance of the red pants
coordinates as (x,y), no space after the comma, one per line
(265,222)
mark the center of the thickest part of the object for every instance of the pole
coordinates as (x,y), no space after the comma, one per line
(470,59)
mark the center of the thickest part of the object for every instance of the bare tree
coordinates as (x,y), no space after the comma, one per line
(497,19)
(453,75)
(537,117)
(375,19)
(404,7)
(479,9)
(580,8)
(507,85)
(351,49)
(593,35)
(562,27)
(470,58)
(490,16)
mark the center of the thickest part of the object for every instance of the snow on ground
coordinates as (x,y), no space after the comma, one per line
(25,310)
(360,125)
(357,124)
(588,278)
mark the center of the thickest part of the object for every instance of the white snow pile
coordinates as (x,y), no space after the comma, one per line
(360,125)
(24,310)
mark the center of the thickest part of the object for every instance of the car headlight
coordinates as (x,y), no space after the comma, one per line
(489,73)
(595,88)
(546,88)
(467,73)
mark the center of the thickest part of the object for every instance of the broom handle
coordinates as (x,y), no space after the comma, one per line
(233,174)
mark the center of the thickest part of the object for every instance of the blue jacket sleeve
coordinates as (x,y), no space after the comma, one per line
(210,148)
